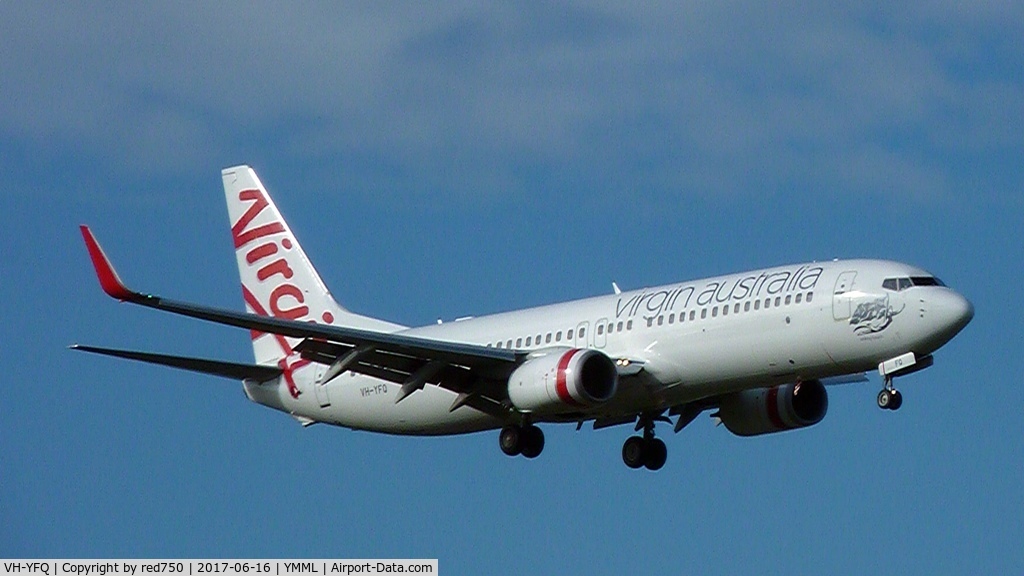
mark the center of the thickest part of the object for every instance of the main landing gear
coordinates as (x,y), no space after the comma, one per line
(645,450)
(527,440)
(889,398)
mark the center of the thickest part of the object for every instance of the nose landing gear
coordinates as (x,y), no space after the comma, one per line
(889,398)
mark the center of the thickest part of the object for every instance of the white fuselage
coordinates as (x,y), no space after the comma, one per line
(694,340)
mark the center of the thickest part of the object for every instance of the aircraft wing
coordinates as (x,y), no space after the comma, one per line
(409,360)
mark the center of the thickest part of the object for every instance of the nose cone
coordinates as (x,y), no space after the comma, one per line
(953,312)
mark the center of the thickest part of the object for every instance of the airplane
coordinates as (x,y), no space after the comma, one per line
(758,348)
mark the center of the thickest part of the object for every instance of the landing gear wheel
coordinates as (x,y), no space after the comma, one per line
(655,454)
(649,452)
(633,452)
(511,440)
(896,401)
(884,399)
(531,441)
(890,399)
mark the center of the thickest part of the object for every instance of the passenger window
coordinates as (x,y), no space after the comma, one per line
(672,318)
(714,312)
(619,327)
(746,306)
(757,304)
(725,310)
(629,325)
(736,308)
(529,339)
(650,321)
(558,336)
(788,299)
(767,303)
(810,295)
(778,301)
(600,329)
(703,313)
(519,342)
(693,315)
(537,340)
(799,297)
(661,320)
(583,332)
(568,335)
(547,339)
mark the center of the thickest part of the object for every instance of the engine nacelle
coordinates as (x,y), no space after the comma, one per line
(764,410)
(563,380)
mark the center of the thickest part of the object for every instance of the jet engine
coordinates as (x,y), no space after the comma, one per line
(764,410)
(563,380)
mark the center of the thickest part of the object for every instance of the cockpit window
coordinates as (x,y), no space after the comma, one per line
(898,284)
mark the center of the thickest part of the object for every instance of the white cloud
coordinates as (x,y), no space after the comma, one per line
(473,98)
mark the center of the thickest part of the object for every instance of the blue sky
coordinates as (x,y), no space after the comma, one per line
(439,161)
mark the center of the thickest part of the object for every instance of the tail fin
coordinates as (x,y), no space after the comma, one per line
(277,278)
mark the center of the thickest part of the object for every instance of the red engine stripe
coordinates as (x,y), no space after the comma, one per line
(561,387)
(773,409)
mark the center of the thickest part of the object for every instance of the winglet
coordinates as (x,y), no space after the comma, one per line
(109,280)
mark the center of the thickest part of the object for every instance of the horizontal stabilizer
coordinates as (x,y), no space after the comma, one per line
(214,367)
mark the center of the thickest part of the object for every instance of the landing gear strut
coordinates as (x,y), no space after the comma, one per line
(527,440)
(889,398)
(645,450)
